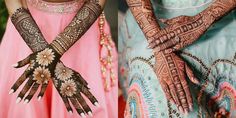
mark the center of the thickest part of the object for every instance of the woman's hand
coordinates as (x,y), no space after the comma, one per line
(40,70)
(70,85)
(172,72)
(180,32)
(43,66)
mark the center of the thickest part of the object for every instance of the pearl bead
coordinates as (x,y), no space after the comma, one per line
(68,88)
(42,76)
(44,56)
(64,70)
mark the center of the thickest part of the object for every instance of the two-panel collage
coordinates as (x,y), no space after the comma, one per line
(118,59)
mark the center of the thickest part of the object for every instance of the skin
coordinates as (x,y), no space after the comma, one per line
(75,100)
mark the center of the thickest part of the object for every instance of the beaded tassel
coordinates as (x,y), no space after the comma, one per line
(106,59)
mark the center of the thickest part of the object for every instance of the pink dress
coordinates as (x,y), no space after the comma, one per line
(83,57)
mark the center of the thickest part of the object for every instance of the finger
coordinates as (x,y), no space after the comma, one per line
(161,39)
(190,75)
(167,44)
(167,92)
(83,103)
(17,84)
(42,91)
(22,62)
(184,95)
(89,95)
(25,88)
(77,106)
(175,96)
(67,104)
(169,50)
(32,92)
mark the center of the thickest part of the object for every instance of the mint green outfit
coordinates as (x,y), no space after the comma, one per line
(212,58)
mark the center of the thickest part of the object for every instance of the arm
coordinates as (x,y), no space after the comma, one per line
(79,25)
(33,37)
(184,30)
(169,67)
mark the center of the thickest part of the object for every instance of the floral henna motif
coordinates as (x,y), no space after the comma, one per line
(41,75)
(68,88)
(170,69)
(45,57)
(184,30)
(62,72)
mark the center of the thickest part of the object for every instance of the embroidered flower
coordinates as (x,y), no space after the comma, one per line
(62,72)
(31,65)
(41,75)
(45,57)
(68,88)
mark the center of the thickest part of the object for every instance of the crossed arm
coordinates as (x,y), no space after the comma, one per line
(170,69)
(44,63)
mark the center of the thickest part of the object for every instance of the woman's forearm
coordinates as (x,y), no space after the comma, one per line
(28,29)
(83,20)
(143,12)
(217,10)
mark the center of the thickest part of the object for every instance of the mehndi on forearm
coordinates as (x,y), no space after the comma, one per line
(28,29)
(143,12)
(217,10)
(87,15)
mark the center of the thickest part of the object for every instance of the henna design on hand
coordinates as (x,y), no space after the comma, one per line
(28,29)
(63,77)
(182,31)
(170,69)
(78,26)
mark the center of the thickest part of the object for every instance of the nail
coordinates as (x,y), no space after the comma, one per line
(26,101)
(90,114)
(191,107)
(18,100)
(82,115)
(181,109)
(11,91)
(96,104)
(14,65)
(70,112)
(157,49)
(185,112)
(39,98)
